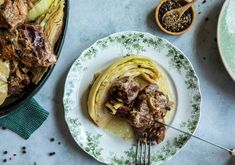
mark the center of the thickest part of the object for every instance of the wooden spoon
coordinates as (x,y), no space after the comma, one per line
(173,16)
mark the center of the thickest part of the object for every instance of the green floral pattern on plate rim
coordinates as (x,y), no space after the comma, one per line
(92,139)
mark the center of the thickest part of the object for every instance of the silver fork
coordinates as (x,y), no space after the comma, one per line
(143,151)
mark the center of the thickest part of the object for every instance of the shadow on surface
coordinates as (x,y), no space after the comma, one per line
(231,161)
(208,54)
(151,22)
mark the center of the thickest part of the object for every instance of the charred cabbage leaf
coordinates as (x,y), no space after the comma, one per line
(52,21)
(52,24)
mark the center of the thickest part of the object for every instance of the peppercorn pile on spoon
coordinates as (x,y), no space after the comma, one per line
(231,151)
(173,16)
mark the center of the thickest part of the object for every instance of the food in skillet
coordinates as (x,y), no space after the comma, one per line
(118,92)
(29,30)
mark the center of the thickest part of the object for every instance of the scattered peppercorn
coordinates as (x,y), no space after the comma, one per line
(4,160)
(24,152)
(204,58)
(5,152)
(4,128)
(204,1)
(215,39)
(14,154)
(23,148)
(59,143)
(51,153)
(199,12)
(9,158)
(207,19)
(52,139)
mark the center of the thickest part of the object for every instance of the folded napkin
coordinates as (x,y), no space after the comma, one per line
(26,119)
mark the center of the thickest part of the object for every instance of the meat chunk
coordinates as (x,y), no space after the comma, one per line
(13,12)
(121,96)
(125,90)
(18,80)
(28,45)
(142,109)
(151,106)
(157,132)
(141,116)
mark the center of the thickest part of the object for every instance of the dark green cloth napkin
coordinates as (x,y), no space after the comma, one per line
(26,119)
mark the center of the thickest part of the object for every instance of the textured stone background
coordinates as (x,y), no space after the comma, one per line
(94,19)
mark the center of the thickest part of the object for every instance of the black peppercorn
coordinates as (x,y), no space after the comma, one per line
(51,153)
(52,139)
(4,160)
(5,152)
(24,152)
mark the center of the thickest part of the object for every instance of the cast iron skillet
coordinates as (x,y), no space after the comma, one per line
(12,103)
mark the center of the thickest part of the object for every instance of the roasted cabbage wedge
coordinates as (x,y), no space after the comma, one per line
(52,21)
(39,8)
(52,24)
(133,66)
(4,75)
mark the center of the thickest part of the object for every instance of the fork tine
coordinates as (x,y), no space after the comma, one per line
(149,151)
(145,148)
(136,153)
(140,158)
(142,155)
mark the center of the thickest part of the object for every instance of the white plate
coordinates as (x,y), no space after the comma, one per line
(103,145)
(226,36)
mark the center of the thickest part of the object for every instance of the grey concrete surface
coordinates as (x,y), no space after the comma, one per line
(93,19)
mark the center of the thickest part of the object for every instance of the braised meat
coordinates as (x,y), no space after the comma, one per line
(13,12)
(27,48)
(18,80)
(152,106)
(28,45)
(142,109)
(141,115)
(121,96)
(125,89)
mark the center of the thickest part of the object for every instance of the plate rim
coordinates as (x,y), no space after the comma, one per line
(219,24)
(154,36)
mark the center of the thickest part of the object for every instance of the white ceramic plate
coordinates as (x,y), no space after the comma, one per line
(103,145)
(226,36)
